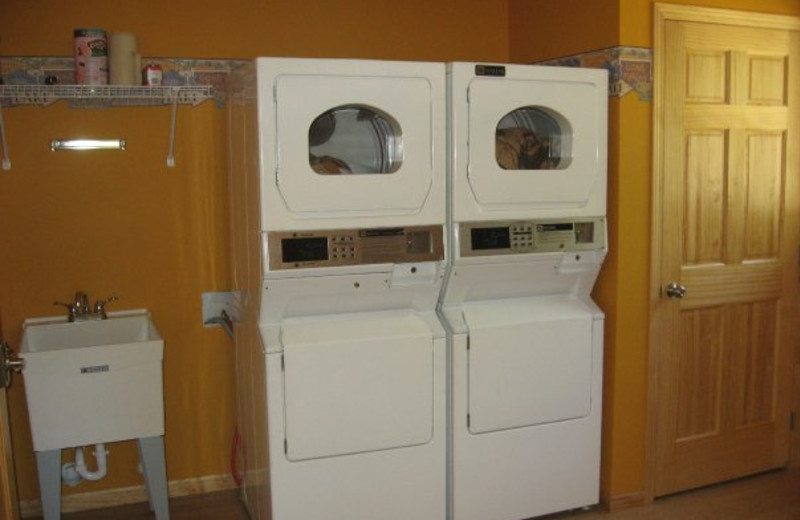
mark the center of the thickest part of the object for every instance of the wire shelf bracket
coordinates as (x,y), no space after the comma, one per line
(3,143)
(102,96)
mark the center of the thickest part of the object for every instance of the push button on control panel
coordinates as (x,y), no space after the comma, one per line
(522,237)
(343,247)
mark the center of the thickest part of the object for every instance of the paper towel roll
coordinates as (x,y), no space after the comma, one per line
(124,59)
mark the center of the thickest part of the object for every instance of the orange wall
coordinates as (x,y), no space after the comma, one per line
(122,223)
(622,290)
(410,30)
(541,30)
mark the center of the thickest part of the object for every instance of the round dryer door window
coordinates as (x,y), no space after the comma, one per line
(533,138)
(355,139)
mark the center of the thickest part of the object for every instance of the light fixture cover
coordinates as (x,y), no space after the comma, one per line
(87,144)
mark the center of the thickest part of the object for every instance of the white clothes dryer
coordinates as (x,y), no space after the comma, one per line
(527,200)
(527,141)
(338,203)
(343,141)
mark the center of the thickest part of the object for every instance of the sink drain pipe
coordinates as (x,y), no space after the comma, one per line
(73,472)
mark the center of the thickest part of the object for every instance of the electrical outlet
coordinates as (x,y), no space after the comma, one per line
(216,302)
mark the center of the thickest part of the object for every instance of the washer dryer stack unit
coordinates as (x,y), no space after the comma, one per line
(528,236)
(338,190)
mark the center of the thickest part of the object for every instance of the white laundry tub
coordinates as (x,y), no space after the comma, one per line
(93,381)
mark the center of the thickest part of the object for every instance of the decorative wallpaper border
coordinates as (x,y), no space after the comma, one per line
(630,69)
(35,70)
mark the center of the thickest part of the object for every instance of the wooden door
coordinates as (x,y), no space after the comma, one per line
(8,490)
(725,231)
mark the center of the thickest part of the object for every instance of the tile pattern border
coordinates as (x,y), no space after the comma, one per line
(630,69)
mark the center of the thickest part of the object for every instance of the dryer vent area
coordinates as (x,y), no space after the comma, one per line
(355,139)
(533,138)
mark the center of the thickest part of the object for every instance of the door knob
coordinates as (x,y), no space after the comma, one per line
(675,290)
(8,364)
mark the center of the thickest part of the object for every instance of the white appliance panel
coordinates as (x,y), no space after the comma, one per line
(530,362)
(571,185)
(527,202)
(300,99)
(526,141)
(393,484)
(350,143)
(351,359)
(524,472)
(356,383)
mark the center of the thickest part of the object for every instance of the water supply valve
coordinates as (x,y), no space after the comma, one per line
(8,363)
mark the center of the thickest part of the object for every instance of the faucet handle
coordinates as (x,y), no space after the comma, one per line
(100,306)
(72,309)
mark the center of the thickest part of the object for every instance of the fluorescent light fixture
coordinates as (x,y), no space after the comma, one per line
(87,144)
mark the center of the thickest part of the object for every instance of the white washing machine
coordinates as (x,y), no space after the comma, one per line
(338,203)
(527,203)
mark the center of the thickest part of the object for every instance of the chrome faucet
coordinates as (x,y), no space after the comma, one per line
(80,310)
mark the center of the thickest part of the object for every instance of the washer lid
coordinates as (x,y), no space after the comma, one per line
(529,362)
(355,383)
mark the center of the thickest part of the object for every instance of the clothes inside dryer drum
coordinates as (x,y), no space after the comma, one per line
(528,139)
(355,139)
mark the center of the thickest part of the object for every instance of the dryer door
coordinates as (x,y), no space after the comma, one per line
(536,143)
(356,383)
(529,362)
(355,145)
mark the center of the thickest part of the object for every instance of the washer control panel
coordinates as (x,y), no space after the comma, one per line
(342,247)
(531,236)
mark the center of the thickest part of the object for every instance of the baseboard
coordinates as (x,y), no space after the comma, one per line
(130,495)
(626,501)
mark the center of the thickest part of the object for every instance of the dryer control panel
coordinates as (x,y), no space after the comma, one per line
(343,247)
(531,236)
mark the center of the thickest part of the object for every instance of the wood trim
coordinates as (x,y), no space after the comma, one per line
(794,450)
(8,486)
(627,501)
(793,183)
(688,13)
(130,495)
(663,13)
(659,21)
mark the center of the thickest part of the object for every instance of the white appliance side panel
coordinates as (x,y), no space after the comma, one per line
(301,99)
(357,383)
(530,362)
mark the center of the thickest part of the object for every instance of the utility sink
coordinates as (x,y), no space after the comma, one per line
(97,381)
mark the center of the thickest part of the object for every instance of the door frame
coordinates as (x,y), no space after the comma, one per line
(9,506)
(8,487)
(662,14)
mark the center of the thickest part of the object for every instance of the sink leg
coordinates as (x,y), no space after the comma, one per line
(48,464)
(154,467)
(146,480)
